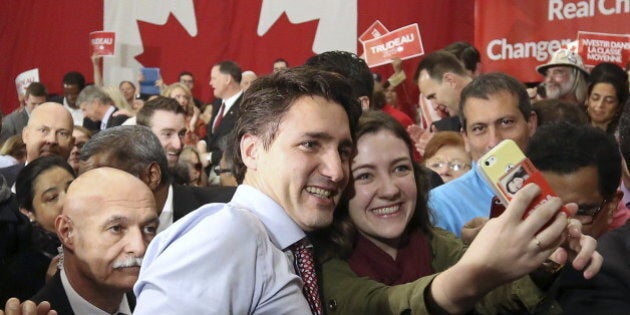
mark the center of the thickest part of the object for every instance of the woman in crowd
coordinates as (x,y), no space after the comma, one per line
(191,161)
(13,151)
(382,231)
(446,155)
(607,92)
(81,135)
(196,126)
(40,189)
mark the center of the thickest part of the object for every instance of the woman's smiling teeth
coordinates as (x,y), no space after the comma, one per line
(319,192)
(386,210)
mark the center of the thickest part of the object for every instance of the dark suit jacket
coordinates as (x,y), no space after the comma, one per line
(116,120)
(10,173)
(13,124)
(227,124)
(54,293)
(95,126)
(189,198)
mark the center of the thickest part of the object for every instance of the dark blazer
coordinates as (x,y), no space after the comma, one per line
(10,173)
(54,293)
(189,198)
(116,120)
(13,124)
(95,126)
(213,140)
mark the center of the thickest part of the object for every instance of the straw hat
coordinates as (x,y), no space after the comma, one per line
(563,57)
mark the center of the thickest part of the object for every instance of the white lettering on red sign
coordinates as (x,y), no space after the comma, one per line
(566,10)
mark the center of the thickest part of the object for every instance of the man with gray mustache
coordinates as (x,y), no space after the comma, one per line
(104,233)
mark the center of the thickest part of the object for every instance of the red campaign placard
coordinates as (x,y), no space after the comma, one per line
(25,78)
(377,29)
(403,43)
(515,36)
(103,43)
(602,47)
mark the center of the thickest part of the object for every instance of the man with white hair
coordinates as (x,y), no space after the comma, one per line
(565,77)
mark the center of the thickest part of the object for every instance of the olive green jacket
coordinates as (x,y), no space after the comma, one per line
(346,293)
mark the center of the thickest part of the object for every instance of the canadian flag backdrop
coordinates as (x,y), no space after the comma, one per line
(179,35)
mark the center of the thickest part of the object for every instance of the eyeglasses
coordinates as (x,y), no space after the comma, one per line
(218,170)
(452,165)
(590,210)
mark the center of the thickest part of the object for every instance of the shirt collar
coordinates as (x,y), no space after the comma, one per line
(80,306)
(166,216)
(108,114)
(230,101)
(282,230)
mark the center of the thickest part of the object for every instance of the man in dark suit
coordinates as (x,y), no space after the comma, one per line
(135,149)
(98,106)
(225,79)
(49,131)
(104,233)
(16,121)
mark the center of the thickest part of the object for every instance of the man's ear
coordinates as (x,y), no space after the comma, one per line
(532,124)
(464,134)
(364,101)
(449,78)
(250,146)
(152,176)
(25,132)
(65,230)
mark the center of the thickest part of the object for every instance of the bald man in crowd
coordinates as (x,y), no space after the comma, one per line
(104,233)
(49,131)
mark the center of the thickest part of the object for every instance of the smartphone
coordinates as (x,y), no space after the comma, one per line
(507,170)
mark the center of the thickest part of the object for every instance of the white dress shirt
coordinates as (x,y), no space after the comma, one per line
(229,102)
(81,306)
(77,113)
(108,115)
(224,259)
(166,216)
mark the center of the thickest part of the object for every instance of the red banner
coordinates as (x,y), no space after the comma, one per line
(515,36)
(600,47)
(193,35)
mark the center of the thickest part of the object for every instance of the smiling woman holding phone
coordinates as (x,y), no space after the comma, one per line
(382,255)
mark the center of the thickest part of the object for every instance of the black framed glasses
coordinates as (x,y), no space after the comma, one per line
(218,170)
(591,210)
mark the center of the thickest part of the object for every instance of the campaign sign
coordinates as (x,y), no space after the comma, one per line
(377,29)
(24,79)
(595,48)
(103,43)
(403,43)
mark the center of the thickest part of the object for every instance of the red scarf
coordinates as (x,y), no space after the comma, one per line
(412,262)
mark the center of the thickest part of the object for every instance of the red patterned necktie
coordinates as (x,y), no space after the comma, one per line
(305,265)
(219,118)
